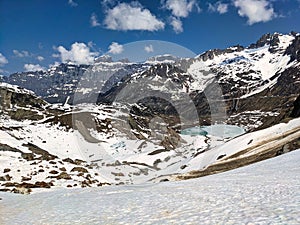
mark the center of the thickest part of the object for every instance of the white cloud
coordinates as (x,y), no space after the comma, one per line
(40,58)
(94,21)
(116,48)
(219,7)
(56,55)
(91,44)
(131,17)
(255,10)
(54,64)
(33,67)
(149,48)
(21,54)
(72,3)
(3,60)
(177,25)
(181,8)
(79,53)
(108,2)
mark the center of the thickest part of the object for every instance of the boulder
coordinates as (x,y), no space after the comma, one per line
(79,169)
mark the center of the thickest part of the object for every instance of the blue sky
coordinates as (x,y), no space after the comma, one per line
(37,33)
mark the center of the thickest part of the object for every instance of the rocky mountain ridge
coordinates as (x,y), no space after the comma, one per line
(61,81)
(124,123)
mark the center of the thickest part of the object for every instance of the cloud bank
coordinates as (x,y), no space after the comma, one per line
(115,48)
(131,17)
(179,9)
(21,54)
(72,3)
(33,67)
(219,7)
(177,25)
(79,54)
(94,21)
(3,60)
(255,10)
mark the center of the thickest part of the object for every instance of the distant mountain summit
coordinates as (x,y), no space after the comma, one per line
(163,59)
(104,58)
(260,61)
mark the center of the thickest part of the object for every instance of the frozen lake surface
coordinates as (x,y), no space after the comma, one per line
(217,130)
(267,192)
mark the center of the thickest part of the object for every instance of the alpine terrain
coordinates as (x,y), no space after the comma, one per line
(165,119)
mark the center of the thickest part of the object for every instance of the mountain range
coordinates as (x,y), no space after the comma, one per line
(168,118)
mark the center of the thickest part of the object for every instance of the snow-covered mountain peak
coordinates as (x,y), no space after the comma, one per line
(104,58)
(166,58)
(257,65)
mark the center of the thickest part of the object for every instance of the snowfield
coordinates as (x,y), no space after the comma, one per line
(267,192)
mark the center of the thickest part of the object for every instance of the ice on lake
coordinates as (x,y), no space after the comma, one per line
(217,130)
(193,131)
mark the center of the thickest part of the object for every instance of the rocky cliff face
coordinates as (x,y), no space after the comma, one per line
(53,85)
(59,83)
(20,104)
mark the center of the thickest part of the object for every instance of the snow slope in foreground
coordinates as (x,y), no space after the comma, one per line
(267,192)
